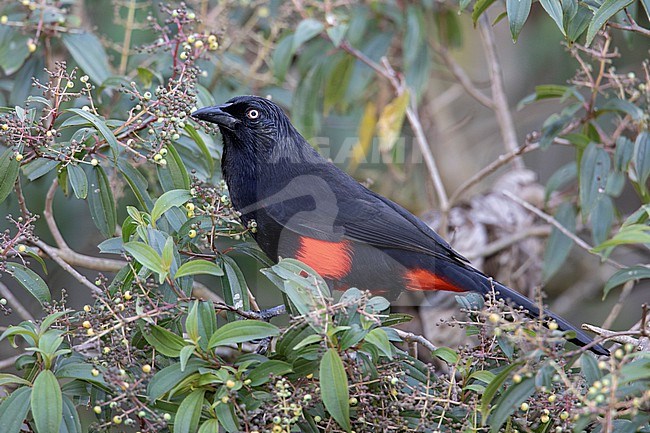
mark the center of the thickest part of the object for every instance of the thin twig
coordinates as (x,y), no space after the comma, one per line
(410,337)
(549,219)
(499,99)
(503,243)
(386,70)
(49,216)
(491,168)
(52,252)
(462,77)
(616,309)
(15,303)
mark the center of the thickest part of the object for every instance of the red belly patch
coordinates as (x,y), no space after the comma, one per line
(329,259)
(422,279)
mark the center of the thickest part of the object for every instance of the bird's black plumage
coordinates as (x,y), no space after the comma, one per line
(307,208)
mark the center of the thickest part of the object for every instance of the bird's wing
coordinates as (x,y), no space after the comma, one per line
(357,214)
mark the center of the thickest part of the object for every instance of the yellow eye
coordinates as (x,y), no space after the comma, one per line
(252,114)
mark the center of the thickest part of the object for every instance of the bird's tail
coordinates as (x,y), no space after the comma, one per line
(581,338)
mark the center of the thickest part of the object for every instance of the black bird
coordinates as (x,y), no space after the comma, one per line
(308,209)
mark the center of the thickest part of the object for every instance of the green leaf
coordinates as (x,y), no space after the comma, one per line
(13,49)
(241,331)
(518,11)
(185,355)
(200,266)
(446,354)
(87,50)
(207,323)
(578,24)
(337,33)
(227,418)
(632,234)
(13,410)
(146,255)
(282,56)
(8,173)
(561,177)
(208,159)
(479,7)
(510,401)
(235,290)
(641,159)
(263,372)
(334,388)
(624,275)
(378,338)
(559,245)
(594,170)
(623,106)
(37,168)
(192,322)
(601,218)
(101,202)
(47,403)
(170,199)
(173,175)
(589,368)
(307,29)
(554,9)
(100,125)
(31,281)
(137,182)
(78,180)
(170,376)
(71,422)
(210,426)
(164,341)
(608,9)
(11,379)
(189,412)
(493,387)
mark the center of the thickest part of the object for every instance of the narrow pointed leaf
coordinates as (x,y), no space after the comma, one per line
(607,10)
(8,173)
(78,180)
(101,202)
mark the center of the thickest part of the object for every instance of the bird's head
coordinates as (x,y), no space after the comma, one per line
(247,120)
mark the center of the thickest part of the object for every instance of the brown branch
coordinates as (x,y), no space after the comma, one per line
(616,309)
(49,216)
(386,70)
(549,219)
(503,243)
(501,109)
(52,253)
(491,168)
(414,338)
(459,73)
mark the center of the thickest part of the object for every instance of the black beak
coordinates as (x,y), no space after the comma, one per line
(216,115)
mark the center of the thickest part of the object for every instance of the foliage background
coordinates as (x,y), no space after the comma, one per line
(336,101)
